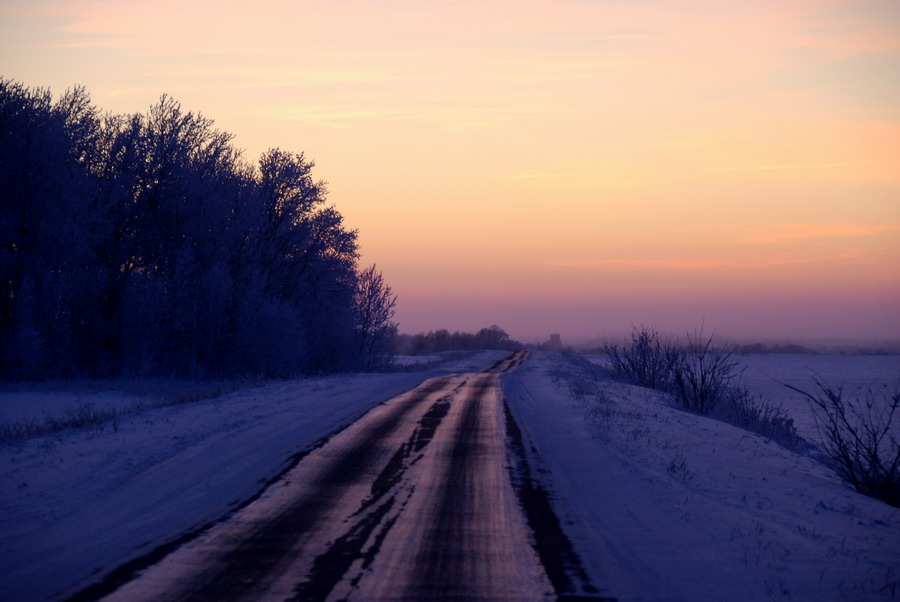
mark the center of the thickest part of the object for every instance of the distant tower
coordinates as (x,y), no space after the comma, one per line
(555,343)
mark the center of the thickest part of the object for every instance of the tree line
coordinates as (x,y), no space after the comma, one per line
(436,341)
(146,244)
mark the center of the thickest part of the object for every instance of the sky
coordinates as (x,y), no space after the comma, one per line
(572,167)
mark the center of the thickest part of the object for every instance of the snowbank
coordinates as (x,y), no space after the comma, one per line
(668,505)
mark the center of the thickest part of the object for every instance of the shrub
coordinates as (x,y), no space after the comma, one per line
(704,375)
(85,416)
(648,361)
(742,409)
(703,378)
(859,437)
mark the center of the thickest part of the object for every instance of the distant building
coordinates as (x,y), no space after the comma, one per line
(555,343)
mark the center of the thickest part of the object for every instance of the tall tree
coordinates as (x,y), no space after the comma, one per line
(145,244)
(47,226)
(374,304)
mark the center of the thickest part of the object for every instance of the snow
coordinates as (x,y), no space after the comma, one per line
(39,401)
(767,375)
(25,406)
(77,504)
(669,505)
(661,503)
(412,360)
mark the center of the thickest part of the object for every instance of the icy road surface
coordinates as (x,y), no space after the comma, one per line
(414,501)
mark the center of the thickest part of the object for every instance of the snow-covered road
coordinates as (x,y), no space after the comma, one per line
(411,502)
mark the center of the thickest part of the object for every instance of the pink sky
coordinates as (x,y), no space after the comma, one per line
(570,167)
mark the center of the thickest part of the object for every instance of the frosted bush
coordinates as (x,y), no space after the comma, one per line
(859,435)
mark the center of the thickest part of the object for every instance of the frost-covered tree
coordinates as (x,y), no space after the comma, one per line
(493,337)
(308,258)
(145,244)
(374,304)
(47,227)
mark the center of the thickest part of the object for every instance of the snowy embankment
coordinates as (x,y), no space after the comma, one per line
(663,504)
(76,504)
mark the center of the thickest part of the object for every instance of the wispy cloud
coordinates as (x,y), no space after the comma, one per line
(534,176)
(781,167)
(660,264)
(784,233)
(564,67)
(454,116)
(91,41)
(251,77)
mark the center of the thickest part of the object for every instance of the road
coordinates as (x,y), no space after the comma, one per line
(415,501)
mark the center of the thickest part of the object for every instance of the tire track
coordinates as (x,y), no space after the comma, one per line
(440,569)
(331,566)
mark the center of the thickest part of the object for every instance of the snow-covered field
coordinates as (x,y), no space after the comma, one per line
(78,503)
(662,504)
(668,505)
(767,375)
(23,406)
(414,360)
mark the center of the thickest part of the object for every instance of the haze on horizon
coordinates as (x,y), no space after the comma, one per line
(570,167)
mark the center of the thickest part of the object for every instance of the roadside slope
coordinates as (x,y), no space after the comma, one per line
(666,505)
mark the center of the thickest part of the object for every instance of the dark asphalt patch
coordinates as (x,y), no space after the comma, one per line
(329,568)
(440,566)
